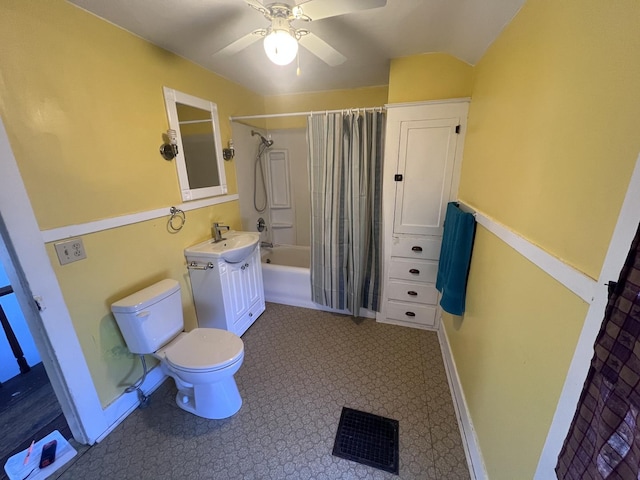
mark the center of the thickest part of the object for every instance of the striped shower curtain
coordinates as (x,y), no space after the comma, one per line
(345,171)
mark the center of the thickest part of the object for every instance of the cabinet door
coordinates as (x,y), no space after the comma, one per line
(253,278)
(426,157)
(243,289)
(236,298)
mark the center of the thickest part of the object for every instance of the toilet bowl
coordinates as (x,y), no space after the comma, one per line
(202,362)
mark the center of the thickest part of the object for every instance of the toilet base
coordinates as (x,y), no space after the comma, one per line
(214,401)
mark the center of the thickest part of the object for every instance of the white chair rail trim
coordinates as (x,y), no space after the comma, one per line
(68,231)
(573,279)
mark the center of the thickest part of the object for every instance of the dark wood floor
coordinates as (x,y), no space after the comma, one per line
(29,411)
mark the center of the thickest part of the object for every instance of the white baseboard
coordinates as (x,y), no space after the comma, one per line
(126,403)
(296,302)
(472,451)
(400,323)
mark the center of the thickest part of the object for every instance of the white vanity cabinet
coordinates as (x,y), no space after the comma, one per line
(227,295)
(423,156)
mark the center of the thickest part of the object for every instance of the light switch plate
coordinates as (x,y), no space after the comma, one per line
(70,250)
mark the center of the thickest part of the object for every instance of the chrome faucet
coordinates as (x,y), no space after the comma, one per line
(266,244)
(215,232)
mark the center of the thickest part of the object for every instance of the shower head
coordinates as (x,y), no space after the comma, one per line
(265,142)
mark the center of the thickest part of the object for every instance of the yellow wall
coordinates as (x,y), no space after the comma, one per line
(551,142)
(552,135)
(83,106)
(512,352)
(432,76)
(318,101)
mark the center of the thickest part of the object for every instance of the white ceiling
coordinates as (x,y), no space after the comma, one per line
(196,29)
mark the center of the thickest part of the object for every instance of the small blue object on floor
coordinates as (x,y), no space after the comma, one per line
(368,439)
(19,469)
(455,258)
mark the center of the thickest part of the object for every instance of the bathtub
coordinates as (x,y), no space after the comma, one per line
(287,278)
(286,275)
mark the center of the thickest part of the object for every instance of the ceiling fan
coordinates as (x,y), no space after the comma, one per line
(281,38)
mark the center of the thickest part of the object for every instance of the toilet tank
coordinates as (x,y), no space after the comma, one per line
(151,317)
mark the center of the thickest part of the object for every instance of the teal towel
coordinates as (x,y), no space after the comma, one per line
(455,258)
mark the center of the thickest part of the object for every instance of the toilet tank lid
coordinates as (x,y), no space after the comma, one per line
(147,296)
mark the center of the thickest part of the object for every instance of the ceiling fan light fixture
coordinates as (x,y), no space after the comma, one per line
(280,45)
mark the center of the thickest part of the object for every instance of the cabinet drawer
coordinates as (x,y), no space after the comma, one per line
(426,248)
(241,324)
(413,292)
(424,271)
(412,313)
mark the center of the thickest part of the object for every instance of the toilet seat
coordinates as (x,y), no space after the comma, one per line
(203,349)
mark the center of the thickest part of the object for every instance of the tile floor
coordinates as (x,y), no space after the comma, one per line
(301,367)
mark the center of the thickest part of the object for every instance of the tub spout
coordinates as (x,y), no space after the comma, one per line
(266,244)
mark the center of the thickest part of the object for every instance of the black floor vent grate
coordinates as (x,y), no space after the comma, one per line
(368,439)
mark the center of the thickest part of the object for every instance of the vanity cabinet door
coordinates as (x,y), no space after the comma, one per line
(244,295)
(236,298)
(253,278)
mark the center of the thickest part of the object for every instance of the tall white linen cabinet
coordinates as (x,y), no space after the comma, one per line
(422,163)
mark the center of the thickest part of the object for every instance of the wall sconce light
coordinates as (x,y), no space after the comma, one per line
(229,153)
(170,150)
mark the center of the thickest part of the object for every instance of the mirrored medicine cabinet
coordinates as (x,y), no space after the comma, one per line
(199,160)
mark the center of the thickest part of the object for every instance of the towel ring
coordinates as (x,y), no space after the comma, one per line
(176,220)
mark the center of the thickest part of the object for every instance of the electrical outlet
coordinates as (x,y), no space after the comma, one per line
(70,250)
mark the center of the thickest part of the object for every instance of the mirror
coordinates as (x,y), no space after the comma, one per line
(199,160)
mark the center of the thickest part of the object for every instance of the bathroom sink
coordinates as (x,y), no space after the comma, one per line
(235,247)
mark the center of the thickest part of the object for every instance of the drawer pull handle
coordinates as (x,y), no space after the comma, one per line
(412,293)
(416,249)
(415,271)
(410,314)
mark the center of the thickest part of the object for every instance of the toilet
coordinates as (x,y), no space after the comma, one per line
(202,362)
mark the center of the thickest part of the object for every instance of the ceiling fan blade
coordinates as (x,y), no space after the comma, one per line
(322,50)
(318,9)
(238,45)
(257,5)
(254,3)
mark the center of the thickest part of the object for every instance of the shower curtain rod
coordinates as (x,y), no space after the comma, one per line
(300,114)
